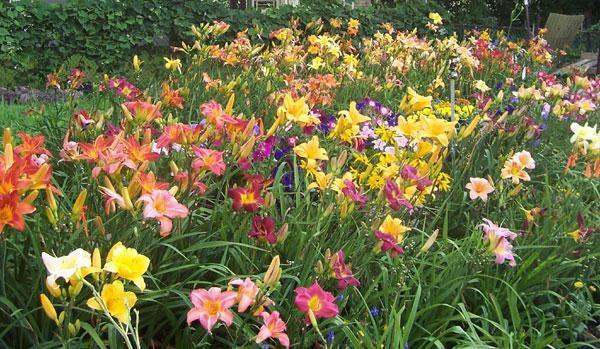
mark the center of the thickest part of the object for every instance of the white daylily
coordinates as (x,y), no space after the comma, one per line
(66,266)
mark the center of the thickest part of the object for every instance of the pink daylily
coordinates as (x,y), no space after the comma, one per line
(274,327)
(314,299)
(162,205)
(209,160)
(499,244)
(246,294)
(211,306)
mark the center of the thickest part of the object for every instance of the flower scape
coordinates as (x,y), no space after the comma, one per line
(310,190)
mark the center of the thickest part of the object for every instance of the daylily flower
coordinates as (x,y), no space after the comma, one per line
(297,111)
(394,196)
(342,271)
(314,299)
(414,102)
(246,293)
(525,159)
(263,229)
(116,299)
(172,64)
(351,191)
(438,129)
(273,327)
(248,199)
(12,211)
(322,181)
(141,112)
(514,170)
(209,160)
(479,188)
(211,306)
(388,243)
(162,206)
(498,238)
(128,264)
(311,151)
(67,267)
(215,115)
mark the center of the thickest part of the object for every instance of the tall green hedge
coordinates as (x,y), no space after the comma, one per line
(36,37)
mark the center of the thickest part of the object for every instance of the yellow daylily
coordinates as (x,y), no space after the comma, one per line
(172,64)
(353,116)
(128,264)
(438,129)
(311,150)
(321,182)
(414,102)
(116,299)
(296,111)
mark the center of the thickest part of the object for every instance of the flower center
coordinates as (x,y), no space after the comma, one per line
(314,304)
(212,307)
(247,198)
(6,214)
(160,205)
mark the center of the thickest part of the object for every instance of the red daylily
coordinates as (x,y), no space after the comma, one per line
(248,199)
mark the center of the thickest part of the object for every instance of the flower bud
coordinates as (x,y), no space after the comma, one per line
(50,215)
(78,206)
(269,200)
(281,235)
(72,329)
(53,289)
(273,274)
(51,200)
(319,267)
(99,225)
(7,137)
(48,308)
(75,289)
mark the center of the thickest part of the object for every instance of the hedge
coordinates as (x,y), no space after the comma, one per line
(36,37)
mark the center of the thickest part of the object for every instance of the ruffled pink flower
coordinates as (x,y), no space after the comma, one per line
(498,242)
(389,243)
(246,293)
(341,271)
(318,301)
(394,196)
(211,306)
(350,190)
(208,159)
(273,327)
(162,206)
(503,251)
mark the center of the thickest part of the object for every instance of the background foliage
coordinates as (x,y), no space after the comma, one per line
(36,37)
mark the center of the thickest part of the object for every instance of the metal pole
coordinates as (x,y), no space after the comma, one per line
(527,20)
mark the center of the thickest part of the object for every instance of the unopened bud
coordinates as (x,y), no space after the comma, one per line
(273,274)
(48,308)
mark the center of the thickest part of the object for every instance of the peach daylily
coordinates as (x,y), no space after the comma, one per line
(514,170)
(525,159)
(246,293)
(479,188)
(162,205)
